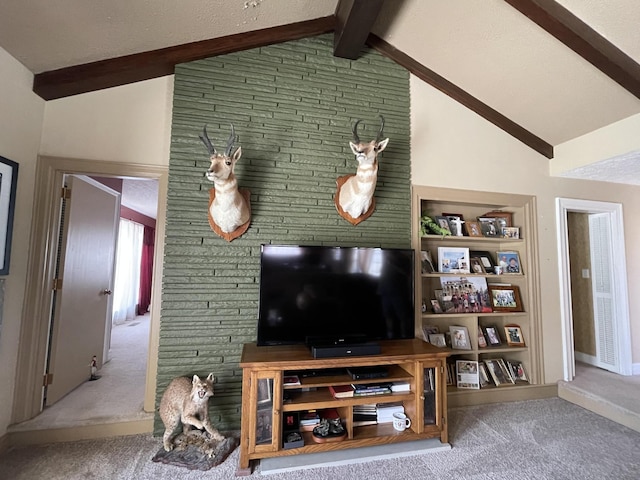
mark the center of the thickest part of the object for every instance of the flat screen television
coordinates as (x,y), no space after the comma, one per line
(318,295)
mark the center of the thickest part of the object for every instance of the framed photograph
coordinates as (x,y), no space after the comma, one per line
(436,307)
(503,219)
(482,342)
(509,261)
(498,372)
(459,337)
(492,336)
(427,262)
(473,229)
(465,294)
(505,298)
(8,185)
(429,330)
(467,374)
(519,372)
(483,375)
(443,222)
(264,420)
(456,223)
(511,232)
(476,265)
(488,227)
(453,260)
(486,259)
(265,390)
(514,337)
(437,339)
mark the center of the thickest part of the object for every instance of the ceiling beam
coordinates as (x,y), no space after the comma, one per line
(157,63)
(354,19)
(582,39)
(461,96)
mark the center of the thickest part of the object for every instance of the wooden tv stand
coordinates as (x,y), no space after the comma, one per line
(264,406)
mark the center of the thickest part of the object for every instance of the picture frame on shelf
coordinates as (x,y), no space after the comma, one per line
(453,260)
(486,259)
(429,330)
(437,339)
(8,188)
(509,261)
(498,372)
(513,334)
(459,337)
(476,265)
(492,336)
(520,373)
(511,232)
(483,376)
(488,227)
(482,341)
(467,374)
(465,294)
(503,219)
(436,307)
(426,262)
(456,223)
(505,298)
(473,228)
(443,222)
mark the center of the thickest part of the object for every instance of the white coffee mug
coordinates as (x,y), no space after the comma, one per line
(401,421)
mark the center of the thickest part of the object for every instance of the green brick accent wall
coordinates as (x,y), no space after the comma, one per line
(293,106)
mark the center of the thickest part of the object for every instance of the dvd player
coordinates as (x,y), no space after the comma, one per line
(367,373)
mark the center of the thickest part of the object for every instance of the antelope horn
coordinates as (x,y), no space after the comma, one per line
(356,139)
(379,137)
(207,143)
(230,141)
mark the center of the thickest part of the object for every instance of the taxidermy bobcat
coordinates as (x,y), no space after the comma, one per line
(187,401)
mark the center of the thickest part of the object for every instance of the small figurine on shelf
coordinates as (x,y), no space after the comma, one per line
(94,368)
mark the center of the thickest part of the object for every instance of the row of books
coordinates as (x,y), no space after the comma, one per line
(374,413)
(494,372)
(360,390)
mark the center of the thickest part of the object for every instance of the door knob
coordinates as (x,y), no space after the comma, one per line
(106,291)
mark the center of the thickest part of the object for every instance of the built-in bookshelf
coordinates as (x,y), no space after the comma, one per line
(469,301)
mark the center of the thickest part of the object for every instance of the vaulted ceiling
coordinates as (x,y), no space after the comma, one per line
(545,71)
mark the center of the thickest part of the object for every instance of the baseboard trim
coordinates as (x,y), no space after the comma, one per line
(72,434)
(507,394)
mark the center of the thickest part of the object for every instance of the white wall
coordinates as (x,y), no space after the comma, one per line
(131,124)
(20,127)
(453,147)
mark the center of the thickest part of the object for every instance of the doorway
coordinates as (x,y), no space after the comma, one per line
(611,344)
(32,349)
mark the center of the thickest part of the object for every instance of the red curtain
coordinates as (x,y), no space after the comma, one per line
(146,269)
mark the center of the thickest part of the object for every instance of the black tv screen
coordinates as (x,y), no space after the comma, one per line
(317,294)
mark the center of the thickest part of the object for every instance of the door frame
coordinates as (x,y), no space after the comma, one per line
(614,211)
(43,247)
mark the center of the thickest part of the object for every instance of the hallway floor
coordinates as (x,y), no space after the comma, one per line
(117,396)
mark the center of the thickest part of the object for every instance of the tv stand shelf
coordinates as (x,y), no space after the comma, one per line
(264,407)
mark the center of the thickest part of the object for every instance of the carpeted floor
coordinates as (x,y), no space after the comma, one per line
(538,439)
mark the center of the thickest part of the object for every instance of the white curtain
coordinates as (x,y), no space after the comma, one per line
(127,282)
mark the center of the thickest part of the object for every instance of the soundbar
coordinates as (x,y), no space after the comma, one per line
(345,350)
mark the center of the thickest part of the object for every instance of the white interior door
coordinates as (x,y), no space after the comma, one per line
(604,308)
(82,315)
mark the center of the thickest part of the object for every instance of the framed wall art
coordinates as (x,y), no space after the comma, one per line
(505,298)
(8,185)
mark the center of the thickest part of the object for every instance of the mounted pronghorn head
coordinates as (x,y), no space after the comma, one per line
(366,152)
(222,164)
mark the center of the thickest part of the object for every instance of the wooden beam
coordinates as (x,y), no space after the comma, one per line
(157,63)
(582,39)
(461,96)
(354,19)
